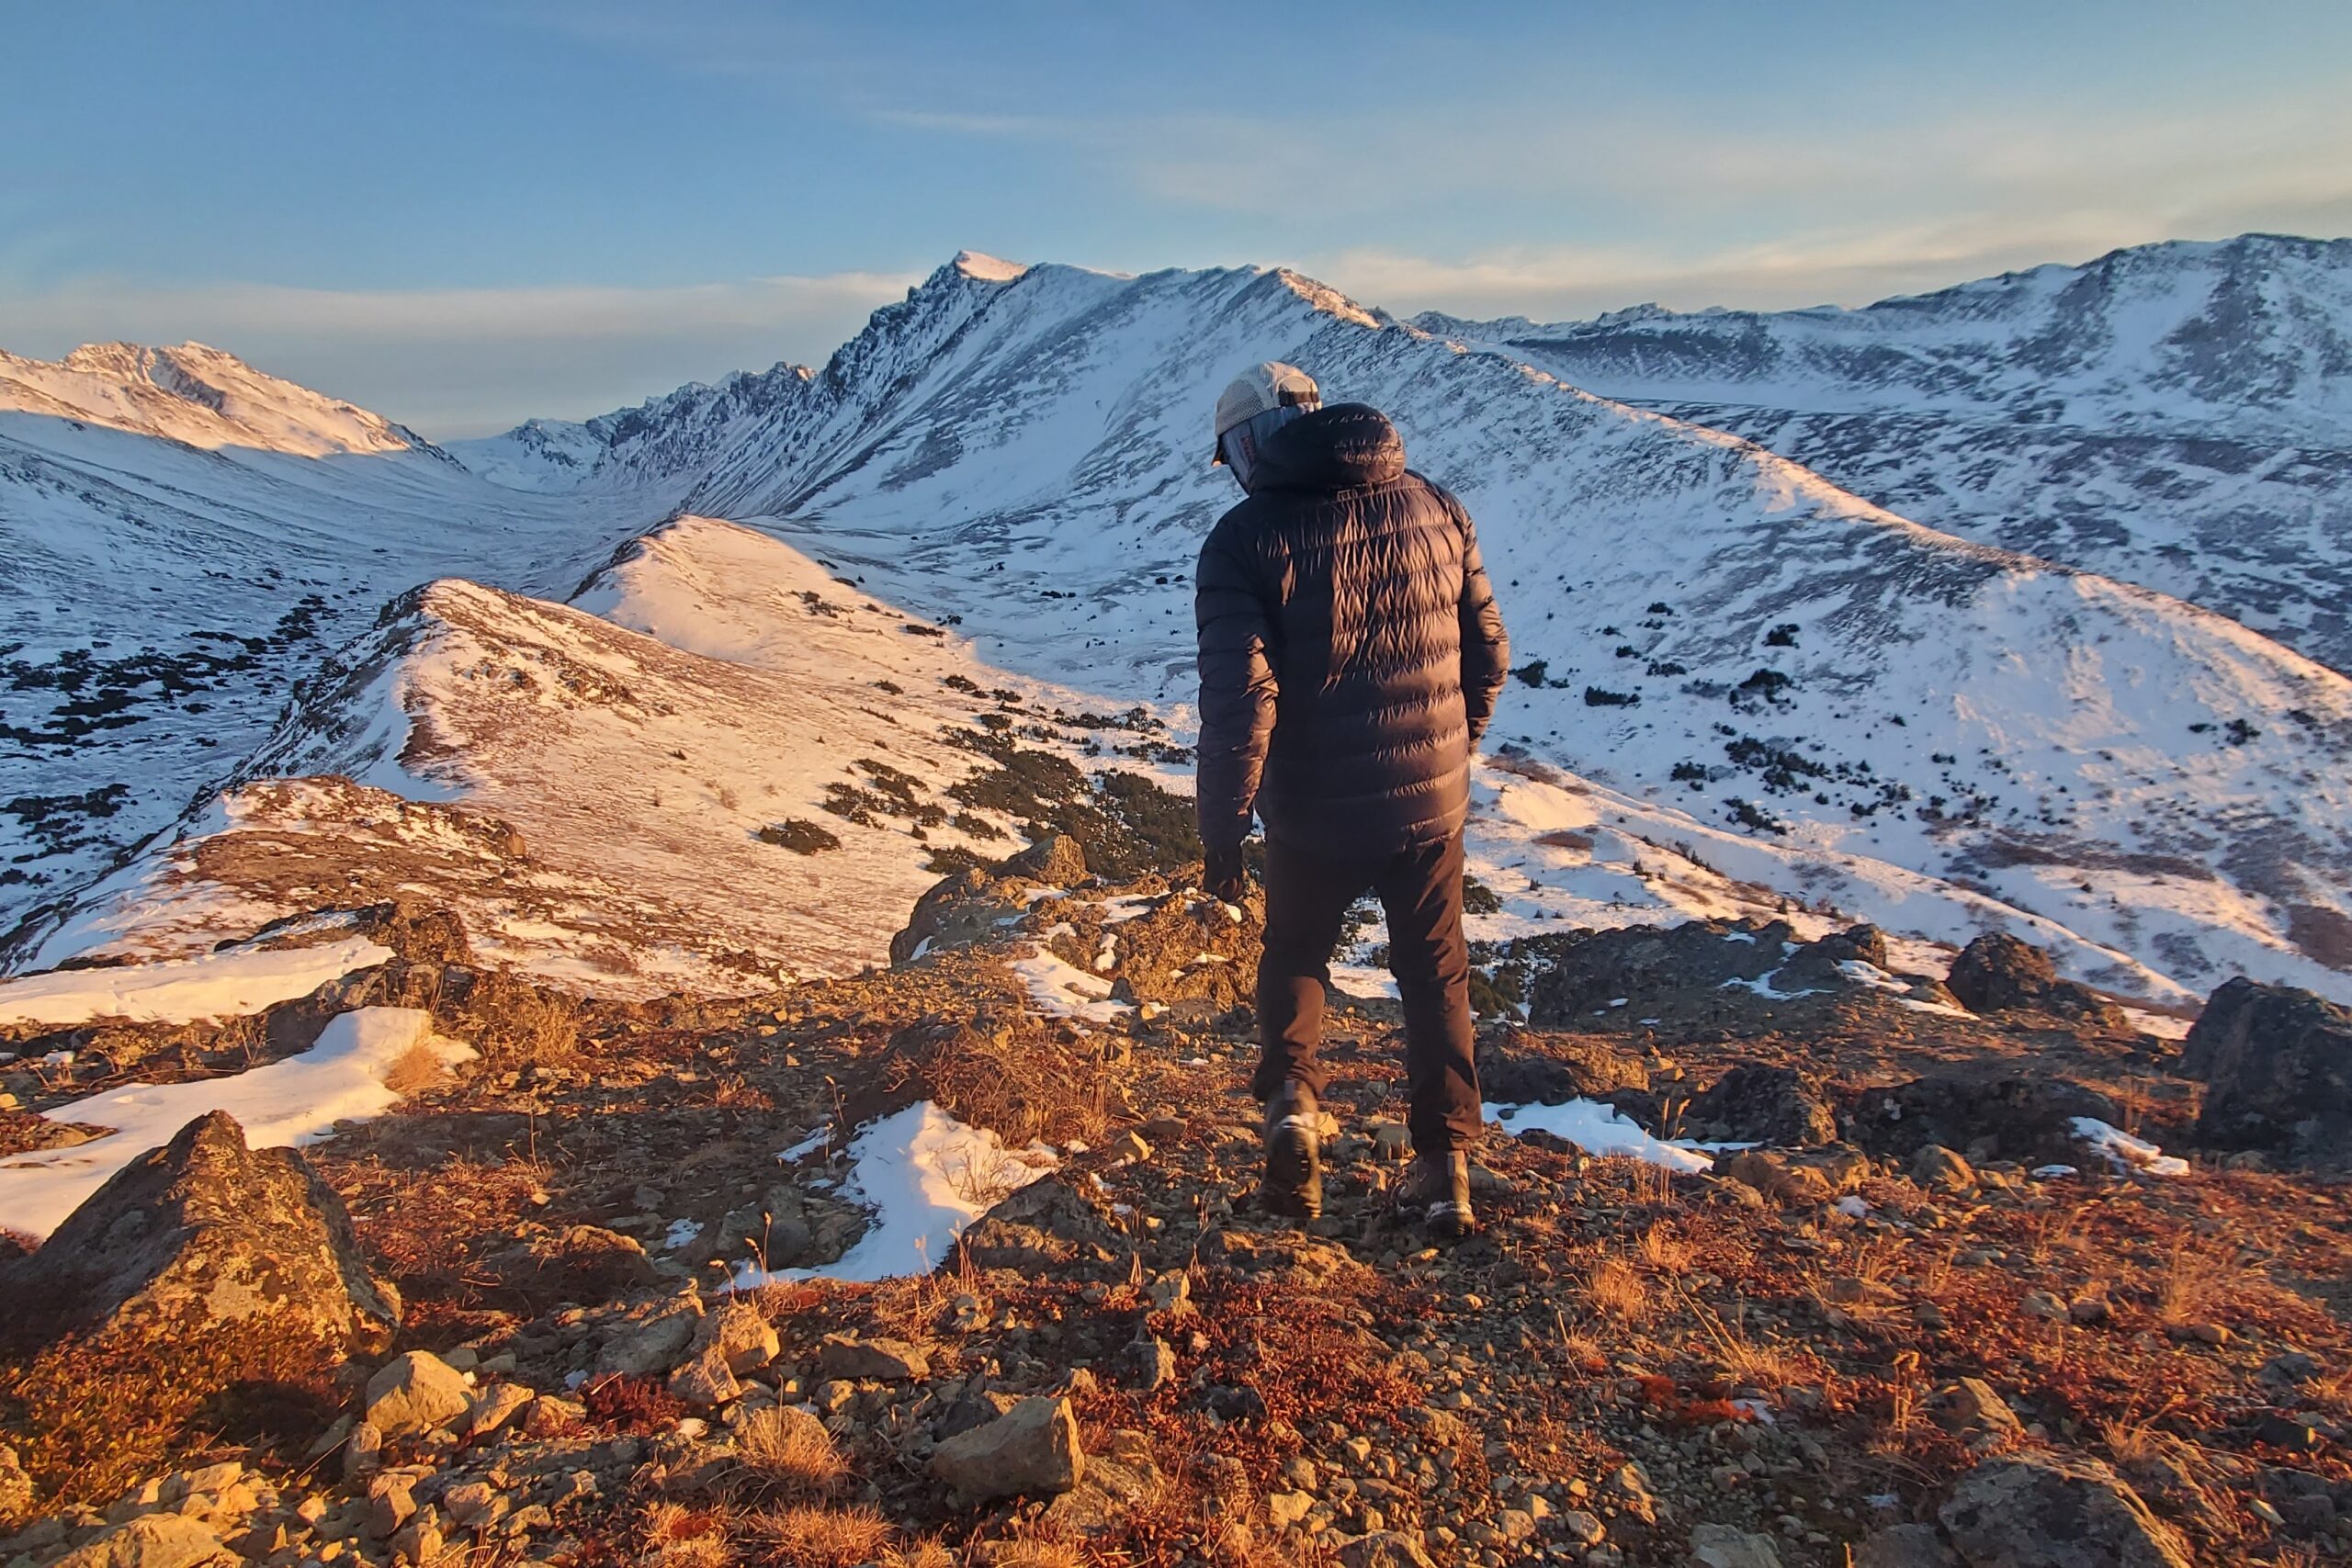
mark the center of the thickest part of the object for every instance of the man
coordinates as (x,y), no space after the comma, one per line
(1351,654)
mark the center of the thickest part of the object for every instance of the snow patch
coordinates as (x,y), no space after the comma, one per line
(2125,1152)
(1597,1129)
(295,1101)
(1064,990)
(926,1176)
(218,984)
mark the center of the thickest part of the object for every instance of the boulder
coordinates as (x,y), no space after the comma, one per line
(151,1540)
(1519,1067)
(416,1394)
(1031,1450)
(1115,1482)
(2039,1510)
(1938,1170)
(1757,1104)
(2029,1120)
(1048,1225)
(884,1359)
(1057,859)
(1813,966)
(960,910)
(205,1237)
(2277,1065)
(1997,972)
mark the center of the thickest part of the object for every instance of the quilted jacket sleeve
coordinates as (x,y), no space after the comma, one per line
(1485,650)
(1238,689)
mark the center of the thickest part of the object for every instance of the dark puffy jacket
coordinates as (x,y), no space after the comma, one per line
(1350,649)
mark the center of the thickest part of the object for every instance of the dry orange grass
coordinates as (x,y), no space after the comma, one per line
(419,1067)
(919,1555)
(2194,1282)
(1037,1551)
(1617,1288)
(1666,1252)
(674,1536)
(787,1455)
(803,1536)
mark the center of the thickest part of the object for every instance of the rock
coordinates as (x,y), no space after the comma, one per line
(1777,1176)
(204,1240)
(2043,1304)
(1288,1508)
(2285,1370)
(743,1337)
(1526,1067)
(1972,1405)
(493,1407)
(1057,859)
(651,1347)
(888,1361)
(1649,966)
(419,1541)
(584,1263)
(1906,1546)
(550,1417)
(1129,1145)
(390,1504)
(1385,1549)
(151,1540)
(1757,1104)
(363,1451)
(706,1382)
(1048,1225)
(1115,1481)
(1997,972)
(415,1393)
(2277,1065)
(1719,1546)
(1031,1450)
(2044,1511)
(1938,1170)
(1583,1529)
(2029,1120)
(1149,1361)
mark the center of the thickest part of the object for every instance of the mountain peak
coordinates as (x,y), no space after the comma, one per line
(982,267)
(195,394)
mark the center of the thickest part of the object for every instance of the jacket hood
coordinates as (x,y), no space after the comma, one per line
(1344,447)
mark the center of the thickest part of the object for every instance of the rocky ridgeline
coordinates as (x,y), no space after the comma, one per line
(1914,1321)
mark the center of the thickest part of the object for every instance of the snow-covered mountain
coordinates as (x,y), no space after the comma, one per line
(1731,670)
(2178,415)
(181,538)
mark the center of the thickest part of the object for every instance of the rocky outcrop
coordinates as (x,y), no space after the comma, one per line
(2023,1119)
(1636,962)
(2277,1065)
(203,1235)
(2044,1511)
(1519,1067)
(1044,1225)
(1997,972)
(1057,859)
(1757,1104)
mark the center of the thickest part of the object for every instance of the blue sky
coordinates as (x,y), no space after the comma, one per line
(461,215)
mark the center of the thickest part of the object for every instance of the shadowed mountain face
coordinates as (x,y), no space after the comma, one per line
(1857,706)
(2178,415)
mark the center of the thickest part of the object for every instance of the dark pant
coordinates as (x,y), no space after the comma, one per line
(1307,897)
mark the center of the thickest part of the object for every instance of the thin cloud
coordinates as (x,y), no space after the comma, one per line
(454,362)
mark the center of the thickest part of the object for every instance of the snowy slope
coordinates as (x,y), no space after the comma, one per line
(2178,415)
(584,782)
(196,395)
(164,587)
(2154,777)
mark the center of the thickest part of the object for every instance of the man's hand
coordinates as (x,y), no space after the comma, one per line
(1222,875)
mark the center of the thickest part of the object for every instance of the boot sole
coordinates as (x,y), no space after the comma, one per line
(1294,1173)
(1447,1223)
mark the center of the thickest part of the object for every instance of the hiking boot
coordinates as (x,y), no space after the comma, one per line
(1436,1191)
(1293,1185)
